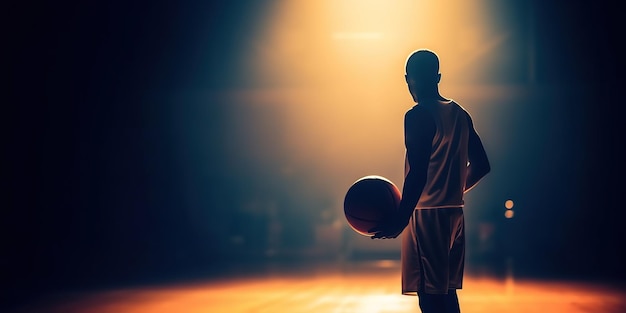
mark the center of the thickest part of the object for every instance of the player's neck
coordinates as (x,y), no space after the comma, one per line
(429,96)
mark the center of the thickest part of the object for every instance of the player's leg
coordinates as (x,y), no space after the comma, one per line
(439,303)
(431,303)
(451,302)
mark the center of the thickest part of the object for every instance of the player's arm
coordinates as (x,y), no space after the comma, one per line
(478,162)
(419,130)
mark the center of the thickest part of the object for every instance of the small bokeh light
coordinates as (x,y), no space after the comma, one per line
(509,214)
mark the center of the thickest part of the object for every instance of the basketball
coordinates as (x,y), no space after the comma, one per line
(369,201)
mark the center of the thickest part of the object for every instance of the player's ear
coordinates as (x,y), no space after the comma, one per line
(409,80)
(438,77)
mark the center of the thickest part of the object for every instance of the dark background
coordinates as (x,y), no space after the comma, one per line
(91,198)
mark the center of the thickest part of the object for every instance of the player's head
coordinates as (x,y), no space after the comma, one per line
(423,66)
(422,71)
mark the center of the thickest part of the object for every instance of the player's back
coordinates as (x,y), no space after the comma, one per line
(447,169)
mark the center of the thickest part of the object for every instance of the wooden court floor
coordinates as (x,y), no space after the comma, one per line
(372,287)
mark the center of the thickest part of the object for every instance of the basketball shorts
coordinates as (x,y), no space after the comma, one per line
(433,251)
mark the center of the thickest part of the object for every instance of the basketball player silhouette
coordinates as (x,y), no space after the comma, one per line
(445,158)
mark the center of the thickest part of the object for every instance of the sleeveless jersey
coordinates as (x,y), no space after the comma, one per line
(447,169)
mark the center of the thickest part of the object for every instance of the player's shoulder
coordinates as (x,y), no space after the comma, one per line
(465,112)
(419,114)
(457,104)
(418,111)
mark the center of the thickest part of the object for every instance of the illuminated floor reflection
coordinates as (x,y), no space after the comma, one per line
(369,287)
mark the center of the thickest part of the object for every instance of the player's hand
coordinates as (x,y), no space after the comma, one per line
(392,228)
